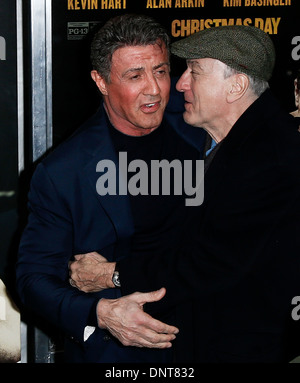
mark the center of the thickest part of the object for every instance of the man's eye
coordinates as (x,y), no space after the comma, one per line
(135,77)
(194,74)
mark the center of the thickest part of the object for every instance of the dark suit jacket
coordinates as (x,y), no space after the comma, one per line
(240,260)
(68,217)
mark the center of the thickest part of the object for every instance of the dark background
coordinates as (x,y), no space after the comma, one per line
(8,133)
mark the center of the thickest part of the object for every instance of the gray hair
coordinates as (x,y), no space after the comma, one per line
(257,85)
(122,31)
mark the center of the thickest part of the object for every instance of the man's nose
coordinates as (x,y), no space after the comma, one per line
(183,83)
(152,86)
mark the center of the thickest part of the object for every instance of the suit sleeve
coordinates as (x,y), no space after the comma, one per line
(42,267)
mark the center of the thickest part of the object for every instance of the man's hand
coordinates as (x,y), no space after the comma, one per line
(91,272)
(125,319)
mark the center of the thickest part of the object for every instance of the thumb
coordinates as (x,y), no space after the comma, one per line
(154,296)
(78,256)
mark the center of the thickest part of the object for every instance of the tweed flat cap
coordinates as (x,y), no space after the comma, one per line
(244,48)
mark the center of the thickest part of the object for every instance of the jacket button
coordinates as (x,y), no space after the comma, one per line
(106,338)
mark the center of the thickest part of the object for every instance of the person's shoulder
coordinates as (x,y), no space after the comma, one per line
(69,154)
(285,125)
(285,136)
(278,121)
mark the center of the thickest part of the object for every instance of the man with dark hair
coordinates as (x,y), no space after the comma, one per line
(75,207)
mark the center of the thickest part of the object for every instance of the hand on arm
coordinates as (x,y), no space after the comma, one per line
(91,272)
(125,319)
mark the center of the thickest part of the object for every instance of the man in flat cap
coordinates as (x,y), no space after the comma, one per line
(239,263)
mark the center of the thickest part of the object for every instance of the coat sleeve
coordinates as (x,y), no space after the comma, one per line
(42,266)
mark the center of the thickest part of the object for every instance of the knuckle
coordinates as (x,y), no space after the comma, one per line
(126,342)
(136,318)
(156,338)
(130,337)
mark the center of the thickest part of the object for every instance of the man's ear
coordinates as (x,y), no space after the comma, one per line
(238,85)
(100,82)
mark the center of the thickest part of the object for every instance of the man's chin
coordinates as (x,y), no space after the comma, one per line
(188,118)
(152,122)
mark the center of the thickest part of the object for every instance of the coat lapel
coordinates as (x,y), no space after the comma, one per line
(98,146)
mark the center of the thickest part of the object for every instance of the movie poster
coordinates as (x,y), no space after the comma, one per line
(75,96)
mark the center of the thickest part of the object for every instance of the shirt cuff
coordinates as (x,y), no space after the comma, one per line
(88,331)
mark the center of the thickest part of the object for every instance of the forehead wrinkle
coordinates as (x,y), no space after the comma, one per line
(130,70)
(161,64)
(194,62)
(140,69)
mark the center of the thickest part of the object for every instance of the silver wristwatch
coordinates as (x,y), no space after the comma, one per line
(116,278)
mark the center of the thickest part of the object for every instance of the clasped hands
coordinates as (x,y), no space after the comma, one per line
(123,317)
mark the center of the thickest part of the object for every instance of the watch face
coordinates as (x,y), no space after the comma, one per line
(116,279)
